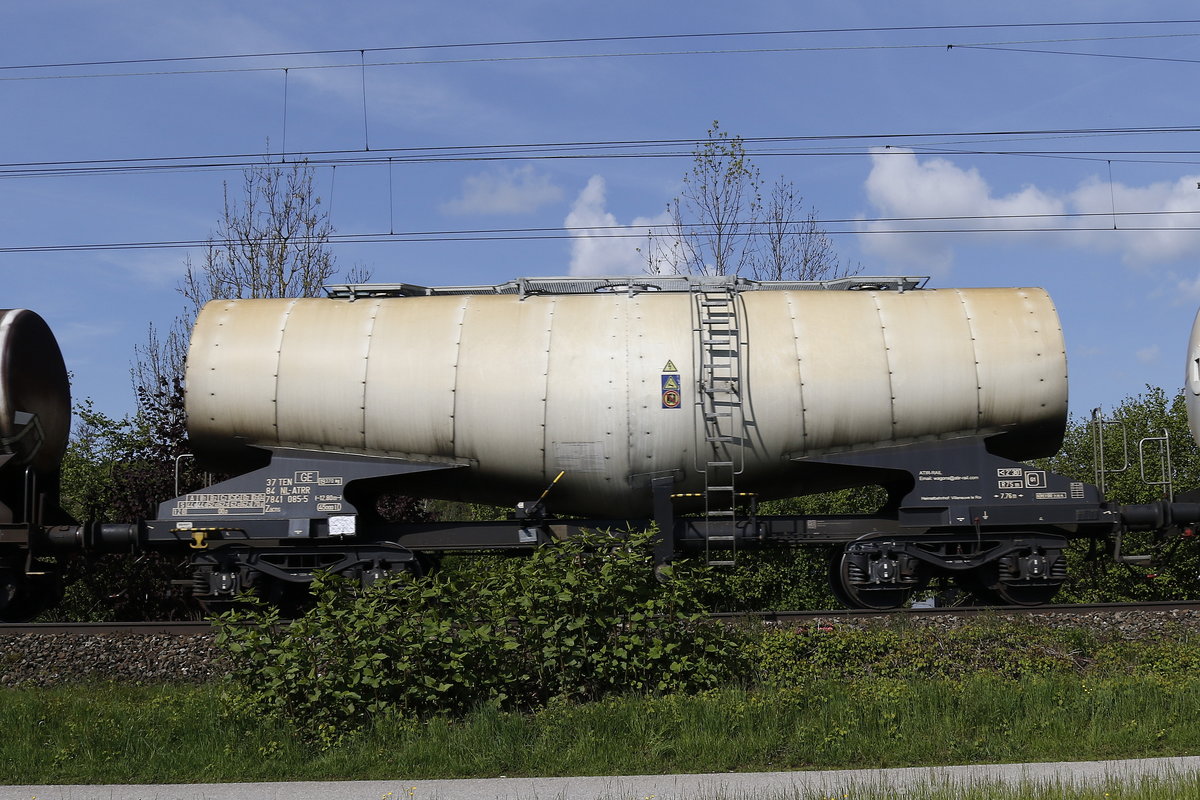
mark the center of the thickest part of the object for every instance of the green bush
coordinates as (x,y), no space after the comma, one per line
(788,657)
(576,621)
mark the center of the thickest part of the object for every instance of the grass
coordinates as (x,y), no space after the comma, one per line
(1177,787)
(169,734)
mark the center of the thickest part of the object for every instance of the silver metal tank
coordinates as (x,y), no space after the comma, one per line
(35,392)
(1191,380)
(615,381)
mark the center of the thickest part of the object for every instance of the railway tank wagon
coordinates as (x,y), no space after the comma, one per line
(608,403)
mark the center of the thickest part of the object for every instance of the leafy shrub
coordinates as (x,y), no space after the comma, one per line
(787,657)
(575,621)
(791,579)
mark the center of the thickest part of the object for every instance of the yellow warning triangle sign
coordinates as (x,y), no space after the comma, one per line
(669,367)
(671,383)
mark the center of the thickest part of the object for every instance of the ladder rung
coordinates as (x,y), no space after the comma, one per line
(721,563)
(724,537)
(720,439)
(720,488)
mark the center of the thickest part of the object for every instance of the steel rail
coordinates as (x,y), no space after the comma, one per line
(187,628)
(195,627)
(959,611)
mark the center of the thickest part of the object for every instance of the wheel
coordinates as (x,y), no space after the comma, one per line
(986,586)
(292,599)
(1019,595)
(13,596)
(23,597)
(860,595)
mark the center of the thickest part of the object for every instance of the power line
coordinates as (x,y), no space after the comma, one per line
(581,56)
(664,231)
(589,40)
(1007,49)
(643,148)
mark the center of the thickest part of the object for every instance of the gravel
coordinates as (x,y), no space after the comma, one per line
(45,659)
(1130,624)
(59,658)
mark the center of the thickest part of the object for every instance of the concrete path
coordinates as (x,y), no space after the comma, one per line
(724,786)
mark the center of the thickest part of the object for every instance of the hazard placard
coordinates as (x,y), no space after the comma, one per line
(671,397)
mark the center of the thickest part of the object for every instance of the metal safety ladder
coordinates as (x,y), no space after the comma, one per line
(719,402)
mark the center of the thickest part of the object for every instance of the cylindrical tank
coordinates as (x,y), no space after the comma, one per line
(33,380)
(1191,380)
(610,387)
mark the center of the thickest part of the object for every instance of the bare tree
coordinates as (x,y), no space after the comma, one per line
(792,246)
(711,228)
(273,241)
(720,224)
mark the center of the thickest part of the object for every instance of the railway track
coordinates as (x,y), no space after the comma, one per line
(139,628)
(962,611)
(193,627)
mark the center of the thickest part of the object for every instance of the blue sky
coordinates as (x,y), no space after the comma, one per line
(1126,296)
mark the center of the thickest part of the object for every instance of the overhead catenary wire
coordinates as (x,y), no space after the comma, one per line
(859,226)
(864,143)
(831,145)
(1042,51)
(591,56)
(595,40)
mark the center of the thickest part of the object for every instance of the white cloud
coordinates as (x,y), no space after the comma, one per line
(594,250)
(514,191)
(900,186)
(1170,241)
(1148,355)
